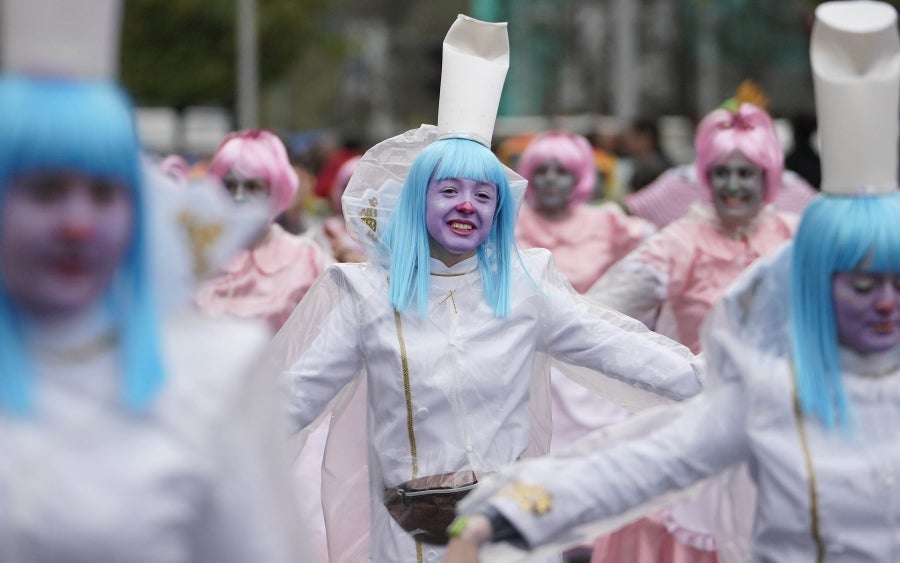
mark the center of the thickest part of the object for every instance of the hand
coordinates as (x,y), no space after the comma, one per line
(461,550)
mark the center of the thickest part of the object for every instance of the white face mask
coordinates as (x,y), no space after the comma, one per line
(553,185)
(245,189)
(738,186)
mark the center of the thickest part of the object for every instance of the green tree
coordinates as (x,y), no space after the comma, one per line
(182,52)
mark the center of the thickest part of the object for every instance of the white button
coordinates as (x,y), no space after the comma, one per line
(422,412)
(469,448)
(430,555)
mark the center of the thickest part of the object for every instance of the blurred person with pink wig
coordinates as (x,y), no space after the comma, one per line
(269,279)
(585,240)
(672,280)
(561,174)
(176,168)
(671,195)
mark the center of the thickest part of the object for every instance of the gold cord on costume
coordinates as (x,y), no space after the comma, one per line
(807,458)
(407,391)
(452,300)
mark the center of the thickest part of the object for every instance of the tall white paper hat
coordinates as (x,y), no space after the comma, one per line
(476,57)
(65,38)
(475,61)
(855,55)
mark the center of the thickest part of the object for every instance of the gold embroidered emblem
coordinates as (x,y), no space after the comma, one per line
(369,215)
(530,498)
(202,237)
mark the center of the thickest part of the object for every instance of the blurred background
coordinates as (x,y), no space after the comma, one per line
(335,76)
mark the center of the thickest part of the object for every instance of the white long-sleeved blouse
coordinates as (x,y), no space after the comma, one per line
(750,417)
(86,479)
(460,389)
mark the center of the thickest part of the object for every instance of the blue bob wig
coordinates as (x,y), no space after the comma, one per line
(836,234)
(406,236)
(88,127)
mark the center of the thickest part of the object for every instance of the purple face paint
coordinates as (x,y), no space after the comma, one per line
(459,213)
(62,236)
(867,310)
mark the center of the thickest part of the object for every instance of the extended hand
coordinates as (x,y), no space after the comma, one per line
(461,550)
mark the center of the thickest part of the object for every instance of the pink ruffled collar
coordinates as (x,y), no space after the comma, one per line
(542,233)
(275,252)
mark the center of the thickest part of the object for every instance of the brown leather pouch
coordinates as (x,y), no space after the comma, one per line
(425,506)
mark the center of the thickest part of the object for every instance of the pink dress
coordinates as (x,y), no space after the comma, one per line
(585,244)
(671,282)
(266,281)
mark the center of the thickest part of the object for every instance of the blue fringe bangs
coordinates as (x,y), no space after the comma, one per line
(407,236)
(837,233)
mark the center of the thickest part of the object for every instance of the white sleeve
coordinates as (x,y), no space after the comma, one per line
(583,333)
(708,437)
(317,352)
(633,288)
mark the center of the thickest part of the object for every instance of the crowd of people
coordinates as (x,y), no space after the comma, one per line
(432,351)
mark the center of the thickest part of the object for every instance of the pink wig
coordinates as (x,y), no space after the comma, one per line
(571,151)
(749,131)
(258,154)
(176,167)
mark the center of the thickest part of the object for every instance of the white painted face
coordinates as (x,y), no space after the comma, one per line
(738,187)
(62,237)
(244,189)
(553,185)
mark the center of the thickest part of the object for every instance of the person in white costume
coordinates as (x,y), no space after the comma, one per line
(130,434)
(445,334)
(808,400)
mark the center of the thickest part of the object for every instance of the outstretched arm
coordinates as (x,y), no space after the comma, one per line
(585,334)
(563,501)
(317,353)
(638,284)
(632,288)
